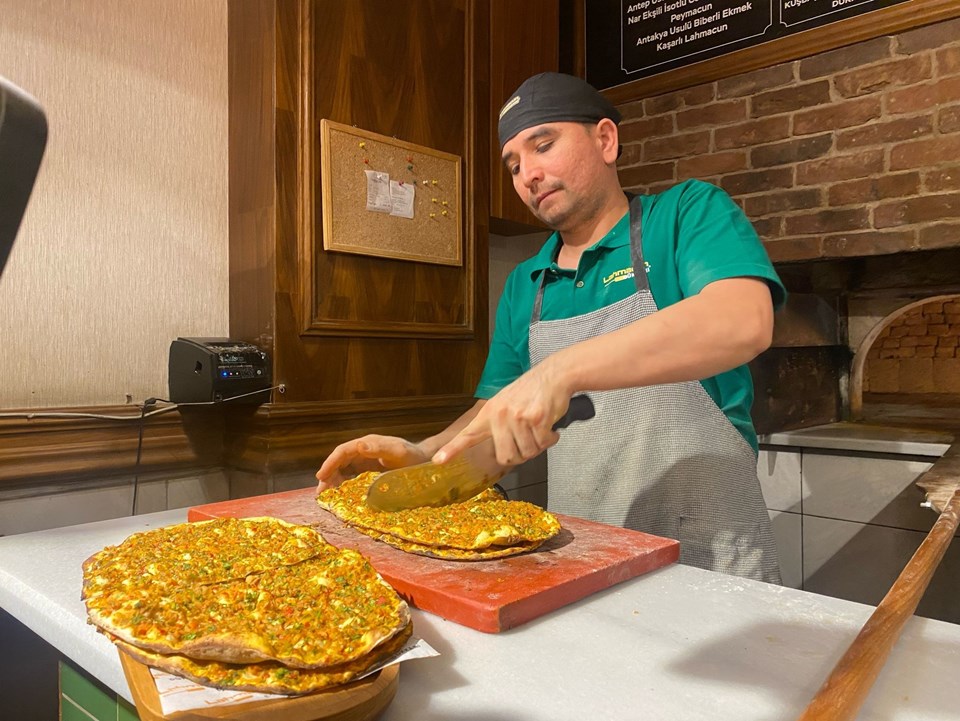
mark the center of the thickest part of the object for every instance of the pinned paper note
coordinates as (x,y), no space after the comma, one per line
(379,199)
(403,195)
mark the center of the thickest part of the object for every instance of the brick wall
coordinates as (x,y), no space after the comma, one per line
(917,352)
(852,152)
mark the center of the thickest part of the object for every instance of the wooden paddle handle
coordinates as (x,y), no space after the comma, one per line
(843,693)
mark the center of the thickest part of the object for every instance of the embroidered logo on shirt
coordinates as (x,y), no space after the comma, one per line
(618,275)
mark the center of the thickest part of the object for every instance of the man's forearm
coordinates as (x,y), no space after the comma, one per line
(719,329)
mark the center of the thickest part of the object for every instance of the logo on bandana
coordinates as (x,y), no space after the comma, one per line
(513,101)
(618,275)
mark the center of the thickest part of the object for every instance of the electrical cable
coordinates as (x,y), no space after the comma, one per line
(141,418)
(144,415)
(29,415)
(136,465)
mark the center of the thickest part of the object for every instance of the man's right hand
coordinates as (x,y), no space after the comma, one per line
(370,453)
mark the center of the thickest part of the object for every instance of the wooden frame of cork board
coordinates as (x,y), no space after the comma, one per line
(432,235)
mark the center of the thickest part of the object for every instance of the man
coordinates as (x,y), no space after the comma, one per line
(651,305)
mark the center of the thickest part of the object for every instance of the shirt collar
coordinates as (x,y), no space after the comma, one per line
(617,237)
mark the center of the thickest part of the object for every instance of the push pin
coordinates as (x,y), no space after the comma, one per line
(433,182)
(425,182)
(443,212)
(433,200)
(409,158)
(433,215)
(362,144)
(445,203)
(409,167)
(367,161)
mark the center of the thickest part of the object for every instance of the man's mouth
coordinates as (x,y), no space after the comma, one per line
(542,196)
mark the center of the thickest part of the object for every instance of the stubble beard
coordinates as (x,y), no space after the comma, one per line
(578,211)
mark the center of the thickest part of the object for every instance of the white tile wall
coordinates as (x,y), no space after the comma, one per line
(788,531)
(860,562)
(847,524)
(779,474)
(55,507)
(293,481)
(195,491)
(866,490)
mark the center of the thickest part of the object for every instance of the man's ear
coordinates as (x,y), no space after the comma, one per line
(608,137)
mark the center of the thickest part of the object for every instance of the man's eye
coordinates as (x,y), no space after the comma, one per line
(514,169)
(544,147)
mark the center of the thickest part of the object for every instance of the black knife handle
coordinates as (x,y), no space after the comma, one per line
(580,409)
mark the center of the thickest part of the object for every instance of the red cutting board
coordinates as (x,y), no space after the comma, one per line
(489,596)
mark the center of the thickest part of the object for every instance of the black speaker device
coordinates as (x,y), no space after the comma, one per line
(23,138)
(212,370)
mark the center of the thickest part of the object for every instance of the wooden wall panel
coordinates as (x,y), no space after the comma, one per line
(399,70)
(251,26)
(361,344)
(280,438)
(524,40)
(41,450)
(356,327)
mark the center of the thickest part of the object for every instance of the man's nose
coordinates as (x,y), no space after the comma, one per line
(530,173)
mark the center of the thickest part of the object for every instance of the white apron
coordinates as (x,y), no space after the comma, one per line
(661,459)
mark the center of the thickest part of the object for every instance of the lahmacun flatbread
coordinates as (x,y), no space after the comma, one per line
(328,609)
(200,552)
(482,524)
(448,553)
(267,676)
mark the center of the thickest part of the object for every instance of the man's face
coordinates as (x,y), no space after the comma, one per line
(554,167)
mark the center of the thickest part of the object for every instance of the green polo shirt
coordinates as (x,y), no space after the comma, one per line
(692,235)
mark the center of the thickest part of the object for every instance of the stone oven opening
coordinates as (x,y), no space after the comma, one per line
(907,367)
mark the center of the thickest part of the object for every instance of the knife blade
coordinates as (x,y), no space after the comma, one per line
(460,478)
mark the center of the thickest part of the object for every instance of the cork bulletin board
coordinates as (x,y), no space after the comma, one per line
(389,198)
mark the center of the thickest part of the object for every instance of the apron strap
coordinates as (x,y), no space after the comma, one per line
(636,256)
(636,243)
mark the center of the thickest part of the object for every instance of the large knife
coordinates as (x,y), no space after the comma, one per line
(460,478)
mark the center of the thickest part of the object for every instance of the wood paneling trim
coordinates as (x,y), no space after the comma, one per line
(36,450)
(524,41)
(369,329)
(267,439)
(886,21)
(251,41)
(298,436)
(335,411)
(476,180)
(308,151)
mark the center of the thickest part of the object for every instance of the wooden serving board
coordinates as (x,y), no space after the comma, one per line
(490,596)
(358,701)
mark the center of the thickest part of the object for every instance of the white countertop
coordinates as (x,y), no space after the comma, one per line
(847,436)
(675,644)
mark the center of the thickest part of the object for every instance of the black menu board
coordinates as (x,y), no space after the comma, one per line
(628,40)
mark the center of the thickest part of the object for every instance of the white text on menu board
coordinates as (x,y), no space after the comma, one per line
(688,21)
